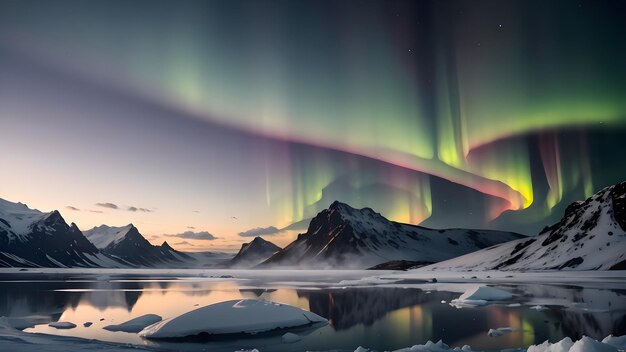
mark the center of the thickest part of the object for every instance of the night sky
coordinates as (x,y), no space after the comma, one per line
(226,116)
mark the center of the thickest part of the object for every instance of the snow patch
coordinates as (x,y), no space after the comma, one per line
(103,236)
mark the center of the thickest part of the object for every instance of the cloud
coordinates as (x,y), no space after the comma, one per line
(191,227)
(145,210)
(196,211)
(183,243)
(201,235)
(95,211)
(260,231)
(72,208)
(107,205)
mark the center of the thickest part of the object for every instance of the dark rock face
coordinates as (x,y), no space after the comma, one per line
(253,253)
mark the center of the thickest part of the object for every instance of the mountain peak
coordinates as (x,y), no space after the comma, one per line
(258,239)
(254,252)
(342,207)
(166,245)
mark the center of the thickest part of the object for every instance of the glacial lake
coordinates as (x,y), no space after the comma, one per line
(382,317)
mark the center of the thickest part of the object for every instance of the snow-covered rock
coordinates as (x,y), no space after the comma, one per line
(62,325)
(362,238)
(590,236)
(136,324)
(246,316)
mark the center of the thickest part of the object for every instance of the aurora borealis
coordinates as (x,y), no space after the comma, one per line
(493,114)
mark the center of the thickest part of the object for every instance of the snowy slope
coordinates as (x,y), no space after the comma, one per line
(590,236)
(253,253)
(29,237)
(342,235)
(102,236)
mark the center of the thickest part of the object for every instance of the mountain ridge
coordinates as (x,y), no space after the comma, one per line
(361,238)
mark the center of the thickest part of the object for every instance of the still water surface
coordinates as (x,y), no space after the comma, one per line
(383,318)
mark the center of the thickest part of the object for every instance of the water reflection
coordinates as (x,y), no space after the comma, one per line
(379,317)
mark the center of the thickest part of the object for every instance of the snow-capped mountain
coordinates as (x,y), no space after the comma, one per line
(31,238)
(361,238)
(253,253)
(590,236)
(129,245)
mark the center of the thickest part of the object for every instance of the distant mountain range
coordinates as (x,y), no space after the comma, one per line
(31,238)
(590,236)
(342,236)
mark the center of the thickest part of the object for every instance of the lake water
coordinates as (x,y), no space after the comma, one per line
(380,317)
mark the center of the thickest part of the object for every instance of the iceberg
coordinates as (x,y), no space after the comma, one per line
(481,295)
